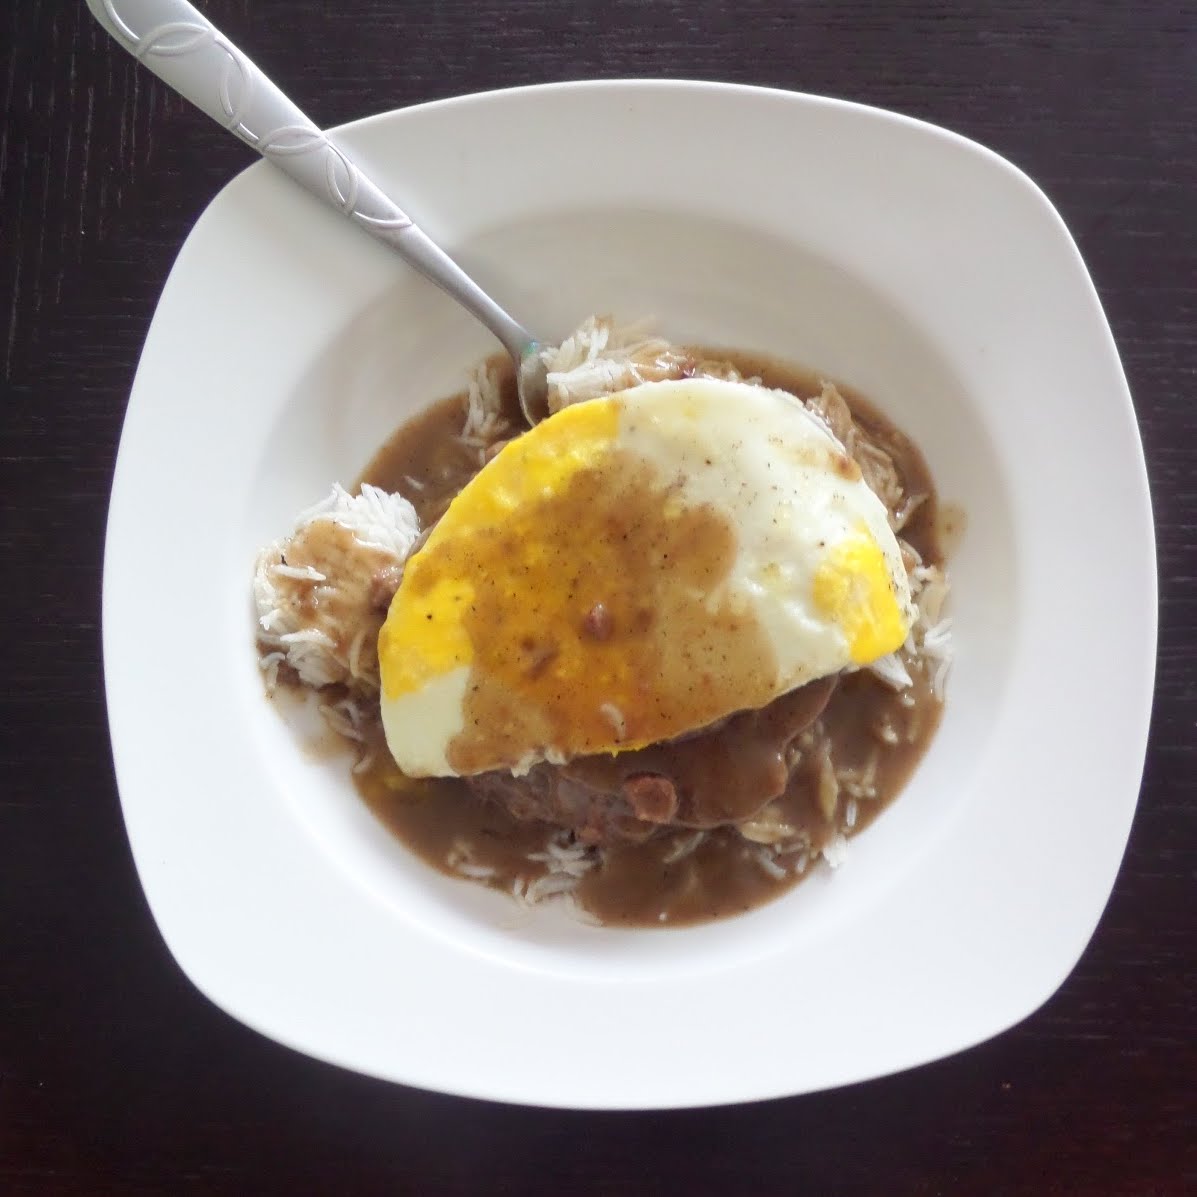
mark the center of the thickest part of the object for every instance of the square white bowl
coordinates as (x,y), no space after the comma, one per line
(894,256)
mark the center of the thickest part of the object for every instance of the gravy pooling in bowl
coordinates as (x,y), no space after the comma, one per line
(601,830)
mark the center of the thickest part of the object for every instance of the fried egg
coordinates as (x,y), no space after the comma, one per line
(632,569)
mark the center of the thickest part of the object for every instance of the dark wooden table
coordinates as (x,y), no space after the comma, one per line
(116,1076)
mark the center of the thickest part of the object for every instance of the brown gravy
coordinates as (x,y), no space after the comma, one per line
(874,735)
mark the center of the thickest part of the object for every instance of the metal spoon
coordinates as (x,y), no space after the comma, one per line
(185,50)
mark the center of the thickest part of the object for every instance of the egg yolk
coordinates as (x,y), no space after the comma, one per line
(425,634)
(853,588)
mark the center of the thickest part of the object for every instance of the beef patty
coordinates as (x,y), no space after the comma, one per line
(722,774)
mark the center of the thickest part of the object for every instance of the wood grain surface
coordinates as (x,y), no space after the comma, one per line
(116,1076)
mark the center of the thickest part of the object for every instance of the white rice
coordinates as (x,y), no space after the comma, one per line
(269,663)
(835,851)
(828,786)
(565,855)
(768,864)
(314,636)
(566,861)
(551,885)
(683,848)
(484,420)
(377,519)
(384,523)
(460,860)
(937,648)
(860,783)
(887,734)
(601,358)
(301,573)
(909,506)
(346,718)
(891,670)
(614,716)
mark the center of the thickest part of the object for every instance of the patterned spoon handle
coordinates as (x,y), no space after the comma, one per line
(186,51)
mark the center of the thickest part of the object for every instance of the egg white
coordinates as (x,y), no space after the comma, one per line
(775,473)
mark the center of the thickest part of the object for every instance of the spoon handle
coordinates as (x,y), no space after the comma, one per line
(185,50)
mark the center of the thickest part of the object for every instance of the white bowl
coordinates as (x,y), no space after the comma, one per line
(912,264)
